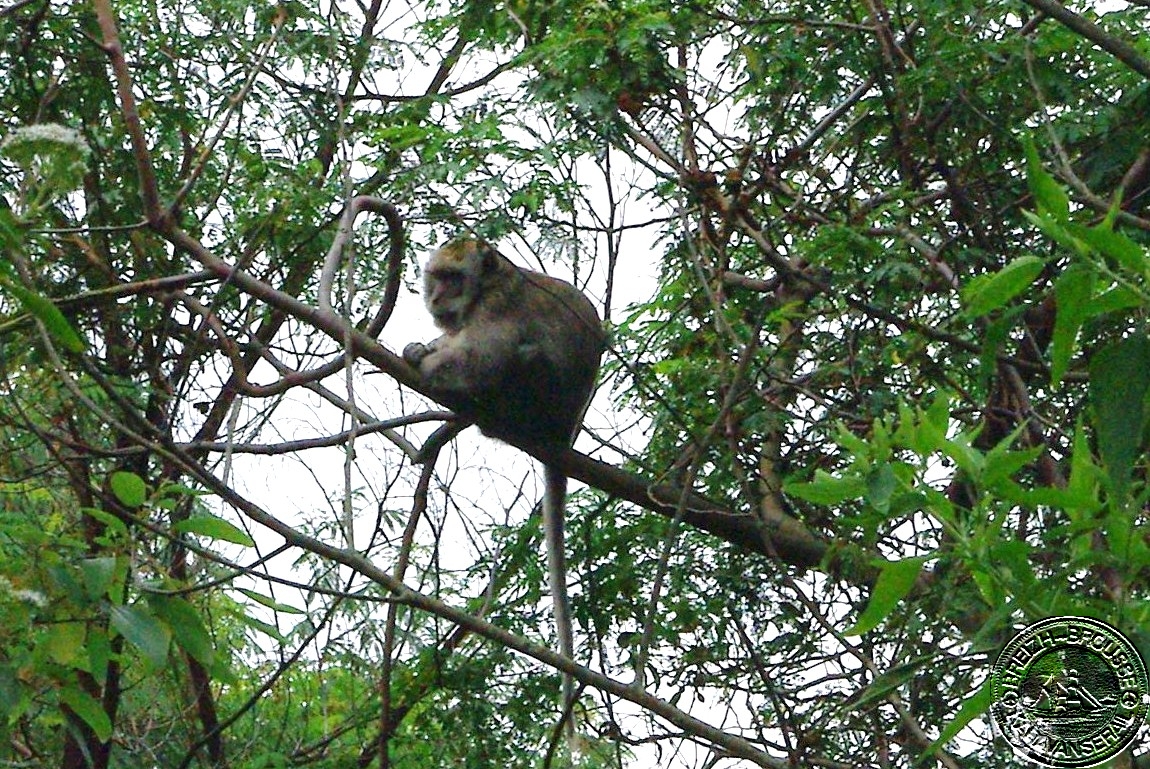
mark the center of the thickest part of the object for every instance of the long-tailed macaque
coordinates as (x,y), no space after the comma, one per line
(519,355)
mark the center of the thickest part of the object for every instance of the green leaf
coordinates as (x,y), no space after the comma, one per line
(113,524)
(1084,473)
(1115,300)
(186,625)
(1119,379)
(143,631)
(990,292)
(827,490)
(65,644)
(969,459)
(98,574)
(49,314)
(881,485)
(215,528)
(99,653)
(269,630)
(1072,291)
(924,431)
(271,603)
(895,580)
(889,681)
(1057,232)
(972,707)
(10,234)
(129,488)
(1048,194)
(89,710)
(1015,556)
(1002,464)
(1112,245)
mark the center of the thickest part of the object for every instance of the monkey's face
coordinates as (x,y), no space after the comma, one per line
(451,285)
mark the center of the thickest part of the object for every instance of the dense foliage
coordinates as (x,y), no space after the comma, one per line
(877,277)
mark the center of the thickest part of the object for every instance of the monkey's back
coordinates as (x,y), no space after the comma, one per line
(542,394)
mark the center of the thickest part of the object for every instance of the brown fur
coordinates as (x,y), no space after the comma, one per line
(520,350)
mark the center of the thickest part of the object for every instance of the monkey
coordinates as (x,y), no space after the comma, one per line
(519,356)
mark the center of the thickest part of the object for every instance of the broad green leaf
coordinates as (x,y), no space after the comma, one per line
(972,707)
(1048,194)
(271,603)
(988,586)
(268,630)
(825,489)
(1073,290)
(881,485)
(215,528)
(143,631)
(1085,477)
(935,424)
(64,578)
(969,459)
(1015,556)
(895,580)
(98,574)
(987,293)
(99,653)
(1119,379)
(89,710)
(65,643)
(49,314)
(1002,464)
(186,625)
(129,488)
(10,233)
(178,490)
(854,445)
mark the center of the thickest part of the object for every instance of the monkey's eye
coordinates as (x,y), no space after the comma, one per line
(448,284)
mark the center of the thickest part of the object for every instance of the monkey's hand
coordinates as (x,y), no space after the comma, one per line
(415,352)
(440,374)
(439,368)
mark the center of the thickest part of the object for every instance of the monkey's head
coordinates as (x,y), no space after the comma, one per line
(451,281)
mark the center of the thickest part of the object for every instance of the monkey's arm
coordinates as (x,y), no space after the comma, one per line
(456,365)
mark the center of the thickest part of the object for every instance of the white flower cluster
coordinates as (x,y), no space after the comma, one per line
(50,133)
(53,157)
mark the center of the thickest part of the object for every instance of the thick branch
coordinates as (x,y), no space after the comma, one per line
(784,538)
(1122,50)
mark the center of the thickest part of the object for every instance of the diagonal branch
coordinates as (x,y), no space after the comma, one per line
(1122,50)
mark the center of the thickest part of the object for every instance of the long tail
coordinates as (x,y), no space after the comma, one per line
(554,499)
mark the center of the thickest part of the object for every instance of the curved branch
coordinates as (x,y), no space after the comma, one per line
(334,256)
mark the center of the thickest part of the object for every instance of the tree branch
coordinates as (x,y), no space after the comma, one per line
(1122,50)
